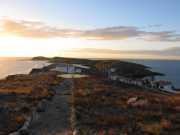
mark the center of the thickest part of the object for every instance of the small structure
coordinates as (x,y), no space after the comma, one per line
(80,68)
(164,85)
(133,75)
(138,75)
(70,68)
(62,67)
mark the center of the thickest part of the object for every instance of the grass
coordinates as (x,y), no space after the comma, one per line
(19,94)
(101,107)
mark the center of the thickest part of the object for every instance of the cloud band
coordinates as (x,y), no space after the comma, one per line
(40,30)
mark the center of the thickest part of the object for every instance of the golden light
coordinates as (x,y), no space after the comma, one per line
(27,47)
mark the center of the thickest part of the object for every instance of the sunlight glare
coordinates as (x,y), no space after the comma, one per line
(28,47)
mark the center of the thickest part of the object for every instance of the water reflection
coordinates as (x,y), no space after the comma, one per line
(17,66)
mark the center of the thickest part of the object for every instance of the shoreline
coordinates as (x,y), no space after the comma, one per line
(21,96)
(31,94)
(19,66)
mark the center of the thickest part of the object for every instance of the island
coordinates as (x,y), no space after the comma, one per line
(88,97)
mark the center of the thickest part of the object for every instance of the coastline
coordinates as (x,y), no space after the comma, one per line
(19,66)
(33,96)
(21,96)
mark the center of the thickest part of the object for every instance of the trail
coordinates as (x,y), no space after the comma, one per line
(56,118)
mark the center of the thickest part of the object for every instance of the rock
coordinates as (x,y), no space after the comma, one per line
(19,97)
(35,116)
(15,133)
(75,132)
(42,106)
(36,71)
(140,103)
(132,100)
(24,132)
(137,102)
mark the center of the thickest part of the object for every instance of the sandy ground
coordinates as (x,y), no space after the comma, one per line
(56,119)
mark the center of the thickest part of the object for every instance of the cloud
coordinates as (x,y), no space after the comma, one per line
(112,33)
(32,29)
(174,51)
(170,53)
(155,26)
(166,36)
(40,30)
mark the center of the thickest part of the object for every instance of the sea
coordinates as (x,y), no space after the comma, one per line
(171,69)
(12,66)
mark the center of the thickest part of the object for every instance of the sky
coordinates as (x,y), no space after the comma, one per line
(69,27)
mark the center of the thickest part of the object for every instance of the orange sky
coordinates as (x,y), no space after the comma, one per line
(50,28)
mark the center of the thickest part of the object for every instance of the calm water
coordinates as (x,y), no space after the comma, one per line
(18,66)
(170,68)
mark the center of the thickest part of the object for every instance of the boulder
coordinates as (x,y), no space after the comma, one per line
(15,133)
(36,71)
(140,103)
(42,106)
(24,132)
(132,100)
(74,132)
(137,102)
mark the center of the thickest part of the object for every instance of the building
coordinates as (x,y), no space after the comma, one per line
(70,68)
(164,85)
(138,76)
(142,77)
(80,68)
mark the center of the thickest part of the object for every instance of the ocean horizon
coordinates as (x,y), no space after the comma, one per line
(22,65)
(168,67)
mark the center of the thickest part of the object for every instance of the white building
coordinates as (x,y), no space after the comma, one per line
(164,85)
(70,68)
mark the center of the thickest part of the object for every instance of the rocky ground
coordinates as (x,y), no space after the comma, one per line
(88,106)
(20,95)
(55,120)
(105,108)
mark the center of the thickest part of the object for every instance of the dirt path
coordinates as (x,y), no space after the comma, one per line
(56,119)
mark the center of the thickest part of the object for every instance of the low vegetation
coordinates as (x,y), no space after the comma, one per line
(103,108)
(19,94)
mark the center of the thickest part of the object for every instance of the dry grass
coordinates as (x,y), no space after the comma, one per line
(37,85)
(101,107)
(20,93)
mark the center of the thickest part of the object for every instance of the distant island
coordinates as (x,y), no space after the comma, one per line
(40,58)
